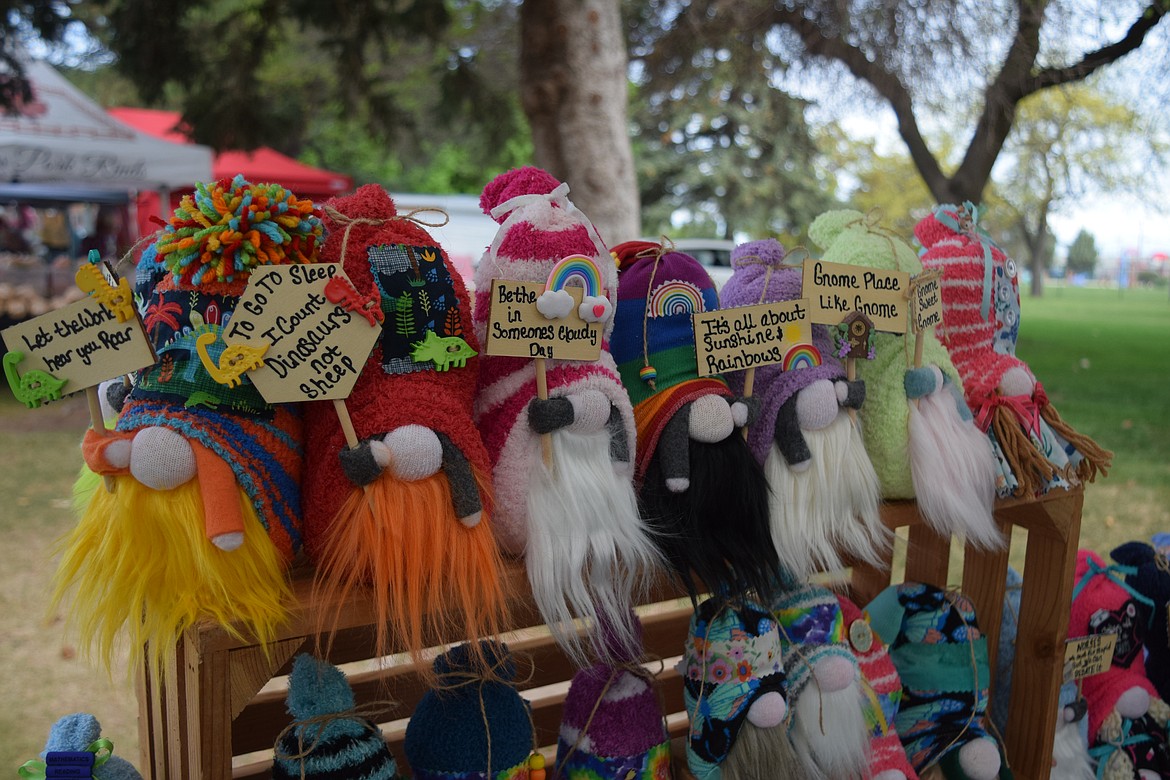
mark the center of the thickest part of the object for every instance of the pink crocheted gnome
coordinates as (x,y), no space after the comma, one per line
(407,511)
(576,521)
(915,411)
(1122,695)
(981,323)
(825,493)
(887,758)
(698,481)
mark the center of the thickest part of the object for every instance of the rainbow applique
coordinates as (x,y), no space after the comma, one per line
(802,356)
(673,298)
(555,302)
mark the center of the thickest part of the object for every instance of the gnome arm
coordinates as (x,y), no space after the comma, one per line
(789,439)
(546,415)
(674,451)
(619,440)
(359,464)
(745,410)
(851,394)
(464,490)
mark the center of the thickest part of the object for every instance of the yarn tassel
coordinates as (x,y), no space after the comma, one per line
(1032,469)
(426,572)
(1095,458)
(953,469)
(139,559)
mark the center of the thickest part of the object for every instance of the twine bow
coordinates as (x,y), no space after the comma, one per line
(558,197)
(1026,410)
(1114,572)
(1102,753)
(350,222)
(36,769)
(965,221)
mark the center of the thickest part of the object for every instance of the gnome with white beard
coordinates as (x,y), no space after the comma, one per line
(825,493)
(575,518)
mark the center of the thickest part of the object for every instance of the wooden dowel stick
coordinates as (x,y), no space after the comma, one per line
(99,423)
(851,375)
(351,438)
(542,394)
(749,386)
(918,341)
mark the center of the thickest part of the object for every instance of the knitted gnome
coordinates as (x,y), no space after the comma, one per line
(204,513)
(883,686)
(698,481)
(825,492)
(827,724)
(951,469)
(1104,603)
(613,725)
(1070,747)
(734,688)
(981,323)
(78,733)
(933,639)
(408,510)
(1148,573)
(474,726)
(327,739)
(575,518)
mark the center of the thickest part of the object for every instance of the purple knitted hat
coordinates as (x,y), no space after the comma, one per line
(773,385)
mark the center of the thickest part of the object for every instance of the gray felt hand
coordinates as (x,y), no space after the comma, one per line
(789,439)
(359,465)
(546,415)
(464,490)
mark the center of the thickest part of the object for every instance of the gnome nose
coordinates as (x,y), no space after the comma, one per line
(767,711)
(1133,704)
(979,759)
(816,405)
(710,419)
(834,674)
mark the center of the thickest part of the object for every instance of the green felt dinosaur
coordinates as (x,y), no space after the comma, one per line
(32,388)
(445,351)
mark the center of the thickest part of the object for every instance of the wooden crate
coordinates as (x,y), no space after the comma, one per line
(209,709)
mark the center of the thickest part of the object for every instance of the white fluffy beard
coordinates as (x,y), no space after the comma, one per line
(1070,754)
(761,753)
(842,751)
(832,506)
(953,469)
(587,553)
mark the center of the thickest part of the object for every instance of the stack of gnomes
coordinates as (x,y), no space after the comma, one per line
(474,725)
(915,411)
(409,510)
(942,659)
(574,518)
(1127,720)
(883,691)
(825,493)
(981,324)
(613,725)
(827,725)
(204,510)
(329,737)
(698,482)
(734,689)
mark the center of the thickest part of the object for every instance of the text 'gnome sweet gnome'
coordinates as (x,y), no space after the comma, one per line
(570,509)
(200,511)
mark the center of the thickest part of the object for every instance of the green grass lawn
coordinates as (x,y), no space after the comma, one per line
(1101,356)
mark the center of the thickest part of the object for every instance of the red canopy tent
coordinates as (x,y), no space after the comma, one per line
(260,165)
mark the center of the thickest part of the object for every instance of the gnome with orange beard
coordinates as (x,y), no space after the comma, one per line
(575,517)
(408,509)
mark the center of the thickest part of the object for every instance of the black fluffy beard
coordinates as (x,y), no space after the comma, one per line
(718,529)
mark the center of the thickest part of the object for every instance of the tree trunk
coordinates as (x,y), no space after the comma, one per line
(573,82)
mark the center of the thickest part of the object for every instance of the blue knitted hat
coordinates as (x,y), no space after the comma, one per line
(471,718)
(327,740)
(81,732)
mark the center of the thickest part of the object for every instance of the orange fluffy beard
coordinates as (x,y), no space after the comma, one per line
(426,573)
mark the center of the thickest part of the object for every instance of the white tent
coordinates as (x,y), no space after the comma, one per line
(63,136)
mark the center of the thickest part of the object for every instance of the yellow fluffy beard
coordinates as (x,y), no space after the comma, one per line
(428,576)
(139,561)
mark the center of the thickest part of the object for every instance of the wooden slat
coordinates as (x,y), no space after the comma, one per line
(928,556)
(984,582)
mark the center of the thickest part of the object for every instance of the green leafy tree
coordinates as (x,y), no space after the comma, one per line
(1082,254)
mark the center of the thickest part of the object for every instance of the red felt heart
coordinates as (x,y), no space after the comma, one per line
(598,310)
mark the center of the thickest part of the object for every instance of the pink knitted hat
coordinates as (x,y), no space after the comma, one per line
(1102,603)
(884,689)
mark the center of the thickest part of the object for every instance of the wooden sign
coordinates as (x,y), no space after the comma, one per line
(835,290)
(749,336)
(71,349)
(1089,655)
(517,328)
(298,344)
(925,301)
